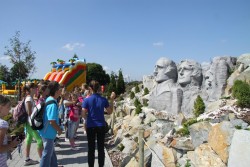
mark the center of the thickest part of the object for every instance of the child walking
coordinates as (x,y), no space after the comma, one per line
(73,120)
(4,146)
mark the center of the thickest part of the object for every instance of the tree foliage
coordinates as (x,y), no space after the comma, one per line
(137,89)
(241,91)
(15,70)
(132,95)
(96,72)
(21,56)
(112,83)
(120,83)
(146,91)
(5,74)
(138,106)
(199,106)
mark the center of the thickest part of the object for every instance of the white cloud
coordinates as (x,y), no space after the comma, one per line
(73,46)
(107,69)
(158,44)
(4,58)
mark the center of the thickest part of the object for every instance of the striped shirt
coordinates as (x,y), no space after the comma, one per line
(3,156)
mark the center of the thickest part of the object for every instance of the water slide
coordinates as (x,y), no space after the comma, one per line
(68,74)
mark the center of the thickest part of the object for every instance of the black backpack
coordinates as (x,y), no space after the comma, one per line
(36,118)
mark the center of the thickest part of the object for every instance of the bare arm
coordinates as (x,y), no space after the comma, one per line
(68,103)
(8,147)
(84,113)
(55,126)
(29,107)
(110,108)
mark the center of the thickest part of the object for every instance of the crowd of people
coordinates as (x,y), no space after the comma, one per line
(82,105)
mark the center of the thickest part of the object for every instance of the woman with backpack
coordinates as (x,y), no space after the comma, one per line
(29,91)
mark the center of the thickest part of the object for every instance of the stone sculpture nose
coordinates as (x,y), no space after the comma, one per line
(181,71)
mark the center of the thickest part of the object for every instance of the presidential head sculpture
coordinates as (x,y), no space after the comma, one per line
(165,69)
(189,73)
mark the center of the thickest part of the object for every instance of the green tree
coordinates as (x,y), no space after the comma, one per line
(137,89)
(146,91)
(5,74)
(21,56)
(199,106)
(15,70)
(138,106)
(132,95)
(137,102)
(96,72)
(112,83)
(120,83)
(241,91)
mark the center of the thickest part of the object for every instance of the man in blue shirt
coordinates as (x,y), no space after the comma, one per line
(51,127)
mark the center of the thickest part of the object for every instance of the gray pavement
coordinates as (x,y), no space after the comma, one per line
(65,156)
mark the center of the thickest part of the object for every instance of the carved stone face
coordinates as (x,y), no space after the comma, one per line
(165,69)
(189,72)
(209,77)
(184,73)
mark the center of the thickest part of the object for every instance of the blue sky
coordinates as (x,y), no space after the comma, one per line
(127,34)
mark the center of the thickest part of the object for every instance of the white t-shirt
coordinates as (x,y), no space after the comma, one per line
(3,156)
(29,98)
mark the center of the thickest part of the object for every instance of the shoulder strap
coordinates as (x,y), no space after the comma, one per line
(50,102)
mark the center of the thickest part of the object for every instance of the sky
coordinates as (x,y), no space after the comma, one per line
(130,35)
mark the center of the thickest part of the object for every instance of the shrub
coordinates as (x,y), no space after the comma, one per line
(146,91)
(199,106)
(145,102)
(183,131)
(137,102)
(238,127)
(190,122)
(120,147)
(137,89)
(132,95)
(241,91)
(138,109)
(188,164)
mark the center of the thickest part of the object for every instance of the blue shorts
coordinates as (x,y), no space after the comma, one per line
(71,129)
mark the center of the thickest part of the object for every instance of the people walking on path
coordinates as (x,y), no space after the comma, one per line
(73,120)
(94,106)
(51,127)
(29,90)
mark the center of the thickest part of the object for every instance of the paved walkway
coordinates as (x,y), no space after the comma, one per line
(65,156)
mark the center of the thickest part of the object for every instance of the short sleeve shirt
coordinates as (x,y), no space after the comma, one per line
(51,113)
(3,156)
(95,105)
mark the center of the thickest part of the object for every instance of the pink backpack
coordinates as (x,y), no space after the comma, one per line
(19,113)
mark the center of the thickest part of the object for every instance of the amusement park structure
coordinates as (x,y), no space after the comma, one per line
(70,74)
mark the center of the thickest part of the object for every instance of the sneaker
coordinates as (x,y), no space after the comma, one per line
(66,139)
(30,162)
(74,148)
